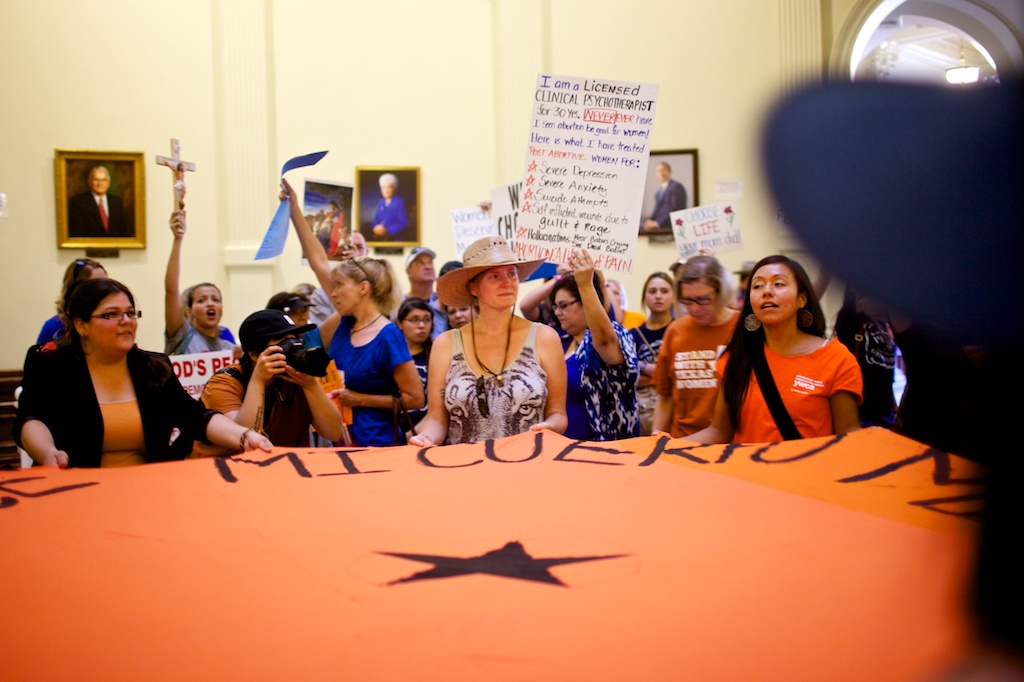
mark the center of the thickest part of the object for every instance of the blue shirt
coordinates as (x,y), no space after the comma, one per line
(605,394)
(370,369)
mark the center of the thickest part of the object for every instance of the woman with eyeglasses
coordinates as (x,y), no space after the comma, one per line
(369,350)
(684,376)
(77,270)
(98,400)
(600,357)
(781,379)
(416,320)
(499,375)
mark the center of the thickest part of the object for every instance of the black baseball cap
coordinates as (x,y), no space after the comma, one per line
(288,302)
(264,325)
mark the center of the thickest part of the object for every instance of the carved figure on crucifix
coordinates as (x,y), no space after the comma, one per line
(179,167)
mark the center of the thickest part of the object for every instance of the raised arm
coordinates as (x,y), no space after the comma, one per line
(529,305)
(311,246)
(174,316)
(606,342)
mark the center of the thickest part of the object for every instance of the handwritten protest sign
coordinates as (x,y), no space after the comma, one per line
(715,227)
(585,169)
(468,225)
(505,210)
(195,369)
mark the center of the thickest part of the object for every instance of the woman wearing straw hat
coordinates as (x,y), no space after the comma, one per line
(499,375)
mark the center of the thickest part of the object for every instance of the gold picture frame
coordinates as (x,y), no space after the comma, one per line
(79,221)
(369,195)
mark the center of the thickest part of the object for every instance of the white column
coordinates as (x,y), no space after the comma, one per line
(801,58)
(243,88)
(521,42)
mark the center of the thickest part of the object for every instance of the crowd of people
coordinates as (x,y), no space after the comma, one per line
(712,356)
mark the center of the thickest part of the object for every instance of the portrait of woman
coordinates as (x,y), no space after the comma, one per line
(389,205)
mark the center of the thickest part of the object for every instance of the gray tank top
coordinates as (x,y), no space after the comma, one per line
(514,406)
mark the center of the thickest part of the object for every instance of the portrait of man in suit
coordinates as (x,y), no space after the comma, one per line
(97,212)
(669,196)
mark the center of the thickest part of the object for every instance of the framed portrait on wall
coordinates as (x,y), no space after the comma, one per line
(388,205)
(100,199)
(327,206)
(671,186)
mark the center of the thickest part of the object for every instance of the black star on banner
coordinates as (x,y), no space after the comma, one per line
(511,561)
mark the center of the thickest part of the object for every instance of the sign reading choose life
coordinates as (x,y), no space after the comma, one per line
(533,557)
(585,169)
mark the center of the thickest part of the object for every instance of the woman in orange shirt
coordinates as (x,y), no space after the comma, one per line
(782,332)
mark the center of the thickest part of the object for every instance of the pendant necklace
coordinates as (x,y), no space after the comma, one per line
(359,329)
(504,356)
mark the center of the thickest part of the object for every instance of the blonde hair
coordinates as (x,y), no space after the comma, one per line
(384,288)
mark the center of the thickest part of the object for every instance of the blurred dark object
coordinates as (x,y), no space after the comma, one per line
(914,195)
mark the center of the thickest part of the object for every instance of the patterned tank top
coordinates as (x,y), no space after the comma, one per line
(513,407)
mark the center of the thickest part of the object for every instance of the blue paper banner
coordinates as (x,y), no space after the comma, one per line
(277,233)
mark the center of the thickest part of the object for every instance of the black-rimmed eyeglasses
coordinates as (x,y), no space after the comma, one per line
(119,315)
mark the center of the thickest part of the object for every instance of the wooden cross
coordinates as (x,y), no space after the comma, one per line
(179,167)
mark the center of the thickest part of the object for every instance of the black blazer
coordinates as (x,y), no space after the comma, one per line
(84,217)
(57,390)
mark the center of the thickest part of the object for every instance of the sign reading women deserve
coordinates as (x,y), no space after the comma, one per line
(586,163)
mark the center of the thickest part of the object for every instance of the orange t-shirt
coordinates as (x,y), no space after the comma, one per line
(805,382)
(124,443)
(686,371)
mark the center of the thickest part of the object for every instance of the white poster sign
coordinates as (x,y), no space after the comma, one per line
(586,164)
(195,369)
(468,225)
(714,227)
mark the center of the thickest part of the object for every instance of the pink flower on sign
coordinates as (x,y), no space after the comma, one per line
(729,214)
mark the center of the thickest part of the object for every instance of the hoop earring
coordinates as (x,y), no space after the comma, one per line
(751,323)
(804,318)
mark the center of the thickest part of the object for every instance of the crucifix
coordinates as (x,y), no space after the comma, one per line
(179,167)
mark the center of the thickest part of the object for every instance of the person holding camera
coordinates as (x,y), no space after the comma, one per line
(273,389)
(381,381)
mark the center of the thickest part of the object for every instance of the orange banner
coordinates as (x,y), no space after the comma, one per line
(529,558)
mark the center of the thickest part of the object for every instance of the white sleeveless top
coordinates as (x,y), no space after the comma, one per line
(514,406)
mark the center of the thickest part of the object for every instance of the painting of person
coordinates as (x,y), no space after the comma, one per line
(97,212)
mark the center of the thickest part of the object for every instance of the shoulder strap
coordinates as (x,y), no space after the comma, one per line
(457,342)
(771,396)
(640,331)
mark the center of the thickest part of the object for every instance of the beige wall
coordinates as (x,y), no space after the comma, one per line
(434,85)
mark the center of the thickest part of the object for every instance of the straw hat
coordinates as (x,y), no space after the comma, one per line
(484,253)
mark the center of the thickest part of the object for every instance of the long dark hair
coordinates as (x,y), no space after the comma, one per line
(413,303)
(745,346)
(83,299)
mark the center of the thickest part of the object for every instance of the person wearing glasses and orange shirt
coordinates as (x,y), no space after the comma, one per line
(685,372)
(98,400)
